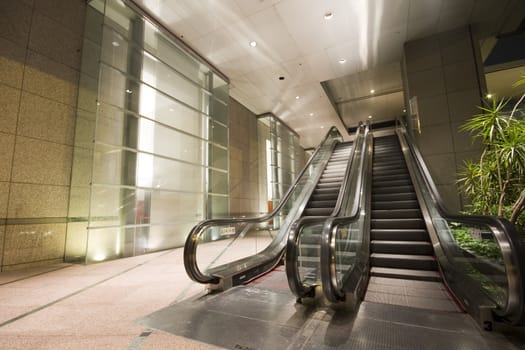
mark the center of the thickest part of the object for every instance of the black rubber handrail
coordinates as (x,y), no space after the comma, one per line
(506,235)
(331,288)
(292,272)
(271,252)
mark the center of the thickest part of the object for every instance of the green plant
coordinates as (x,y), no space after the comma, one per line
(480,247)
(495,184)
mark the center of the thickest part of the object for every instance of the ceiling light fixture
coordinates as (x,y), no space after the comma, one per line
(328,15)
(322,126)
(128,91)
(311,114)
(115,43)
(404,110)
(253,43)
(369,117)
(297,97)
(342,60)
(489,96)
(372,91)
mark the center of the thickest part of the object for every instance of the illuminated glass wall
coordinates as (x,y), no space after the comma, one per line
(151,147)
(280,151)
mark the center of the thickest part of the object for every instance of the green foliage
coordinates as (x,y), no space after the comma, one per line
(495,184)
(482,248)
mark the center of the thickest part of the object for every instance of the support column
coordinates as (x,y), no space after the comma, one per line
(444,75)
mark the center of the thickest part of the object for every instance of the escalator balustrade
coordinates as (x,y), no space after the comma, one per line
(322,202)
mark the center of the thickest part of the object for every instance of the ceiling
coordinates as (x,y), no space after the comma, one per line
(295,41)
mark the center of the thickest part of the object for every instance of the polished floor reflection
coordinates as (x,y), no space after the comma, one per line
(148,302)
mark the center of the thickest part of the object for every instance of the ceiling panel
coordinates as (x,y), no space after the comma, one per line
(320,66)
(381,108)
(295,41)
(249,7)
(272,34)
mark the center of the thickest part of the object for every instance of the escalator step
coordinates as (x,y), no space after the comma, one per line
(409,274)
(402,247)
(389,183)
(385,152)
(392,189)
(326,191)
(333,185)
(403,261)
(385,172)
(399,234)
(390,177)
(377,168)
(322,197)
(321,204)
(418,223)
(389,205)
(389,197)
(331,177)
(396,213)
(318,211)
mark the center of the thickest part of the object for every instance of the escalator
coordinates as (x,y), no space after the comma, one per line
(382,239)
(401,252)
(223,253)
(322,203)
(324,197)
(411,253)
(399,242)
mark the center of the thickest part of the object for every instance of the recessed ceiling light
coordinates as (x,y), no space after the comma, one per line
(328,15)
(128,91)
(342,60)
(311,114)
(253,43)
(115,43)
(372,91)
(404,110)
(322,126)
(297,97)
(369,117)
(489,96)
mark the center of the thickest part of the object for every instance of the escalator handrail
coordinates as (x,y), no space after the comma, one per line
(331,290)
(344,187)
(190,246)
(505,233)
(292,272)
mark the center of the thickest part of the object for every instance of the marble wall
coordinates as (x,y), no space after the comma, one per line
(40,51)
(244,190)
(444,73)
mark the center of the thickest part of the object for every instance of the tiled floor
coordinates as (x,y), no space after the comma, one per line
(94,306)
(416,294)
(103,306)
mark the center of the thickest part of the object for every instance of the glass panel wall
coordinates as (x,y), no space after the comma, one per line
(280,151)
(151,148)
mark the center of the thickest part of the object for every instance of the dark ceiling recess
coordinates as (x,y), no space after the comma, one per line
(375,126)
(510,47)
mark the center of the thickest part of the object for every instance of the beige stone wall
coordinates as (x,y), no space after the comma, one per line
(40,50)
(443,72)
(244,192)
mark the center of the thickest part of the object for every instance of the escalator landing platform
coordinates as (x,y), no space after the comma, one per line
(264,315)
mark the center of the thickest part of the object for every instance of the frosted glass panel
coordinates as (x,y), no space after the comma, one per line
(154,146)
